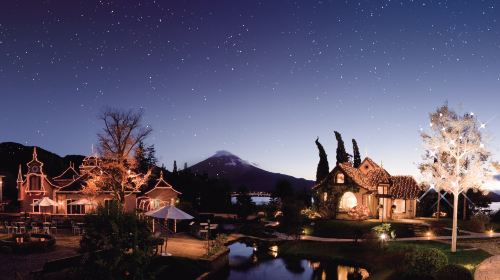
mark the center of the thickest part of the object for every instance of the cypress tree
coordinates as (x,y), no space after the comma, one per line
(175,167)
(323,168)
(355,151)
(342,155)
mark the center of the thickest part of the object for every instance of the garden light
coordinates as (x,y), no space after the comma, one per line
(383,236)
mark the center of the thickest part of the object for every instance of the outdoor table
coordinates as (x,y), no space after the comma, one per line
(46,227)
(20,227)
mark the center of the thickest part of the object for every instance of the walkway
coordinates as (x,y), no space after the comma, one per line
(489,269)
(423,238)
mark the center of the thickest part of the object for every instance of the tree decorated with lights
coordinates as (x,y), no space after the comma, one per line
(118,144)
(455,158)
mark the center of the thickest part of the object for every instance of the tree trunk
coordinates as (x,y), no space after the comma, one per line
(465,208)
(455,222)
(438,205)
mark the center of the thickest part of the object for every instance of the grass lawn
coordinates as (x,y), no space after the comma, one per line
(380,263)
(466,225)
(348,229)
(465,256)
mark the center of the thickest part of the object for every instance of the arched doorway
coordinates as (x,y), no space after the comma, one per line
(348,201)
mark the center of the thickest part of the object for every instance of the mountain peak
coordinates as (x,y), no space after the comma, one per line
(223,153)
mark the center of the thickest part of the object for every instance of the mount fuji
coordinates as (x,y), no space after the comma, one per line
(239,172)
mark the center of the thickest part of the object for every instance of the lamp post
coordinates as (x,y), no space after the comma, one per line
(1,187)
(208,237)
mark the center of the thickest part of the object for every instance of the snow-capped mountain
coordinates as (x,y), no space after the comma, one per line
(239,172)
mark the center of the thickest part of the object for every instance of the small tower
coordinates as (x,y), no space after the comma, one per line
(20,190)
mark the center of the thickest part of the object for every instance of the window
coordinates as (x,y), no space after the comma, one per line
(35,183)
(348,201)
(340,178)
(382,189)
(325,196)
(107,203)
(74,209)
(36,209)
(400,206)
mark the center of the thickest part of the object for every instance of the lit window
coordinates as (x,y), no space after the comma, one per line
(348,201)
(325,196)
(400,206)
(74,209)
(340,178)
(382,190)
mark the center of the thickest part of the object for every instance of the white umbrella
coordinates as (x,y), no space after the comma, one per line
(169,212)
(45,202)
(83,202)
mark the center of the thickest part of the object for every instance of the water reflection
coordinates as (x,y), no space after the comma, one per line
(246,262)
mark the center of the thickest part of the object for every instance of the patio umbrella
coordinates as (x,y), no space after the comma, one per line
(45,202)
(169,213)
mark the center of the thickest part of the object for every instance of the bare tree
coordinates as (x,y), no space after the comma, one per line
(455,158)
(122,133)
(118,141)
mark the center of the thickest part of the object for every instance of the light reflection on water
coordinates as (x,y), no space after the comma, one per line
(247,263)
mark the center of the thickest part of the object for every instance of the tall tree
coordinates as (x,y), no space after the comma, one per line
(323,168)
(244,204)
(283,190)
(455,158)
(145,157)
(174,170)
(356,155)
(121,135)
(342,155)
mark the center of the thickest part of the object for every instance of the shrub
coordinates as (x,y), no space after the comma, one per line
(425,261)
(384,229)
(118,245)
(478,222)
(359,212)
(454,272)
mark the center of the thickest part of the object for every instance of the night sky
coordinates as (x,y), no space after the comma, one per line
(261,79)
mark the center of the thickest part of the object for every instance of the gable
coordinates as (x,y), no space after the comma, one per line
(368,165)
(162,194)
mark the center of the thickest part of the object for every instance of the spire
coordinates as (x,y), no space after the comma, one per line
(161,175)
(35,155)
(20,175)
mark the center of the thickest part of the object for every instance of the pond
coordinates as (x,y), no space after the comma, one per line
(258,200)
(246,262)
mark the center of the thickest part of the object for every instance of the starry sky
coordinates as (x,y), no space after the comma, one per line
(261,79)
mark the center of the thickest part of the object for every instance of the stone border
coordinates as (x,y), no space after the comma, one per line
(488,269)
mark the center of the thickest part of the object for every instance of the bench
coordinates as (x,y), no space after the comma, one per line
(57,265)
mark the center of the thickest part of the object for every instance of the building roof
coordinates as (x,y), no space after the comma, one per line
(400,186)
(404,187)
(35,160)
(68,174)
(77,185)
(162,184)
